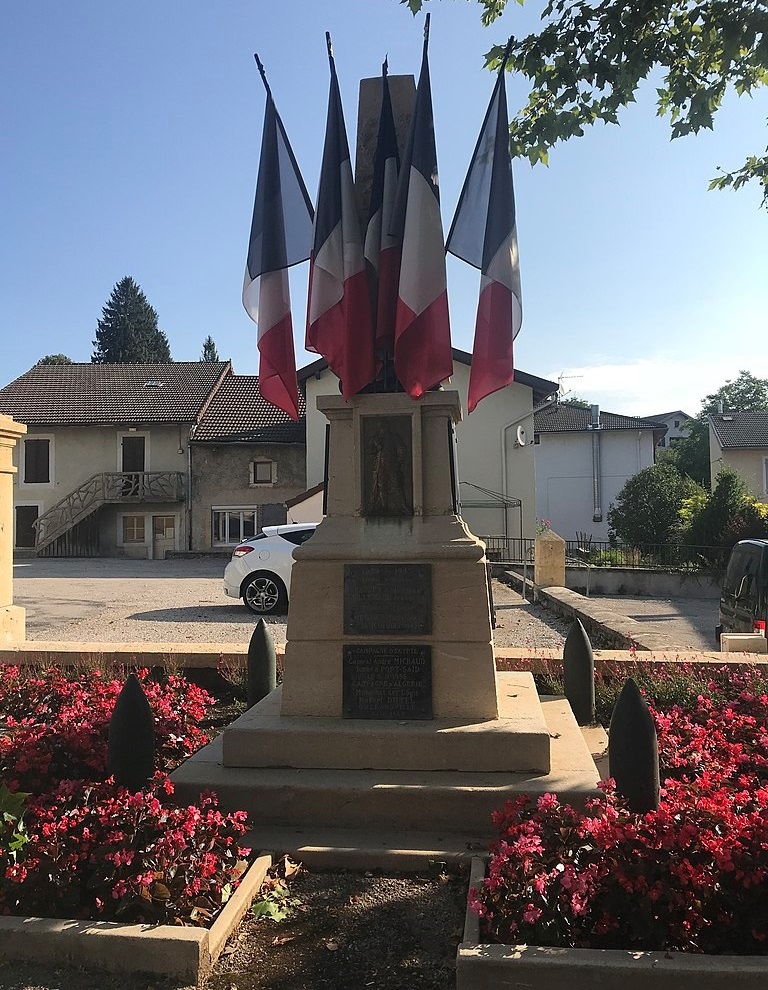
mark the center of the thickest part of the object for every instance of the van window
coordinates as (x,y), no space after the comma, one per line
(741,579)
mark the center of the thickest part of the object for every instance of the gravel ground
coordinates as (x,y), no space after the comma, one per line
(99,601)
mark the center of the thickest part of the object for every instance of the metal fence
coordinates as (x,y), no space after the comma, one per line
(596,553)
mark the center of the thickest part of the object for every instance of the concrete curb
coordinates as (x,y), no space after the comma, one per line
(171,655)
(499,967)
(186,953)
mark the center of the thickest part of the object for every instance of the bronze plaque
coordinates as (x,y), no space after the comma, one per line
(387,599)
(387,466)
(388,682)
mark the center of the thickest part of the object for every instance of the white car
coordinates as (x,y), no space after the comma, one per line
(260,569)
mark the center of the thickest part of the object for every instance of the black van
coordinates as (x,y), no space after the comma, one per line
(744,594)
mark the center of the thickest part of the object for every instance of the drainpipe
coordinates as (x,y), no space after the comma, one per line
(597,515)
(189,488)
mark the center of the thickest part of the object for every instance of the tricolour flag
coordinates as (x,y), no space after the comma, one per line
(281,236)
(339,325)
(484,234)
(423,356)
(382,250)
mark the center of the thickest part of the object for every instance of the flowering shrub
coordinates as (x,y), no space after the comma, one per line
(85,847)
(55,726)
(99,851)
(689,876)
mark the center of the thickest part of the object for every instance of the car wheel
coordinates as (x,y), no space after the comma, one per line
(265,594)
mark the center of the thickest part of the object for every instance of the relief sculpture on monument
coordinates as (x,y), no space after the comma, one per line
(387,466)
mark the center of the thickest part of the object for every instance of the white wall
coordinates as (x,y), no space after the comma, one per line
(487,452)
(309,510)
(564,492)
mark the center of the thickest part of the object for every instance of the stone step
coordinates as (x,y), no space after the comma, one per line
(518,740)
(391,801)
(366,849)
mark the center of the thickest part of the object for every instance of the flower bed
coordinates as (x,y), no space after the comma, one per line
(74,845)
(689,876)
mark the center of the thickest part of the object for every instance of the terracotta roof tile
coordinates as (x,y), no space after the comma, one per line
(563,418)
(238,414)
(96,394)
(741,429)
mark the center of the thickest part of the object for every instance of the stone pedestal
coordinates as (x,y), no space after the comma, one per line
(549,561)
(12,617)
(389,454)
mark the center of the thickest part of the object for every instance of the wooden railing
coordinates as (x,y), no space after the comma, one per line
(101,489)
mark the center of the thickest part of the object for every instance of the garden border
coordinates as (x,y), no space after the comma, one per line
(498,967)
(170,950)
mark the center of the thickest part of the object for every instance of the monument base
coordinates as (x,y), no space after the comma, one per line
(13,624)
(518,740)
(407,815)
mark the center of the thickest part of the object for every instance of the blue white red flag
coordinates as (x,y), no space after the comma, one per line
(382,250)
(339,324)
(423,356)
(281,236)
(484,234)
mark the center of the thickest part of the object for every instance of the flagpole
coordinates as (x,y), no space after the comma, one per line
(263,74)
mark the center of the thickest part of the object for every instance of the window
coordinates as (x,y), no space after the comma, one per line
(298,536)
(662,442)
(677,424)
(164,527)
(262,473)
(37,470)
(230,525)
(133,529)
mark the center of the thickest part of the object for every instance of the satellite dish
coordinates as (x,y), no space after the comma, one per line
(521,438)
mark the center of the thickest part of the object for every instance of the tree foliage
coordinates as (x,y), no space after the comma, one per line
(589,60)
(55,359)
(647,509)
(127,331)
(209,352)
(742,393)
(728,515)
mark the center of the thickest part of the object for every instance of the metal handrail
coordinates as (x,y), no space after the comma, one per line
(106,487)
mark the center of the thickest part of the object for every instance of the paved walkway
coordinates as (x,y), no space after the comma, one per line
(687,623)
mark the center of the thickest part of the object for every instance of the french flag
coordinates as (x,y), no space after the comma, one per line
(423,356)
(281,236)
(484,234)
(339,322)
(382,250)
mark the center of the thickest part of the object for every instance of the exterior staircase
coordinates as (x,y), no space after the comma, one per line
(107,487)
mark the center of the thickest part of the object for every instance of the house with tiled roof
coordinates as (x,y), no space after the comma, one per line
(739,441)
(108,464)
(495,470)
(674,421)
(247,460)
(583,459)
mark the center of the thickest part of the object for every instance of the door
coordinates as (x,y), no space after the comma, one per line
(25,530)
(132,456)
(163,536)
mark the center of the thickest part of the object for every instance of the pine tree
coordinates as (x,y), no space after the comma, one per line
(209,352)
(127,331)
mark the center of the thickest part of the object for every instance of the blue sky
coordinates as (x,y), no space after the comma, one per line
(131,134)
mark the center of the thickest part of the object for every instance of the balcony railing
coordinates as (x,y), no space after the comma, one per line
(108,487)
